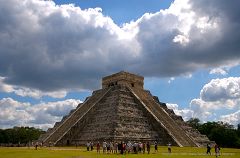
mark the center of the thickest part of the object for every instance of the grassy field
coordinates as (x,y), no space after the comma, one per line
(71,152)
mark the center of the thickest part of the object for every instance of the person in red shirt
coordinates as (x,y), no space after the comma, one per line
(98,147)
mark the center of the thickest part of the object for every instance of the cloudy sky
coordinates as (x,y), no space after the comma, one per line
(54,53)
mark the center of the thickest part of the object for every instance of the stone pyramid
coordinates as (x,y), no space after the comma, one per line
(122,111)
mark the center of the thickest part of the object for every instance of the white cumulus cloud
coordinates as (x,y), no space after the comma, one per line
(221,89)
(218,71)
(218,99)
(231,118)
(42,115)
(185,113)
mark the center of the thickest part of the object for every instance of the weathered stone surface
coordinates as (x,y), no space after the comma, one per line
(122,111)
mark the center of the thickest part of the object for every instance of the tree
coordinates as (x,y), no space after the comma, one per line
(2,137)
(18,135)
(238,130)
(194,122)
(206,128)
(224,136)
(222,133)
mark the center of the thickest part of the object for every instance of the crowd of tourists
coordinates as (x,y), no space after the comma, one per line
(136,147)
(124,147)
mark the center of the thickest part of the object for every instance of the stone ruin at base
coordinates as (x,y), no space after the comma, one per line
(122,111)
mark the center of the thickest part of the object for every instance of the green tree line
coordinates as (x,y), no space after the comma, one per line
(19,135)
(222,133)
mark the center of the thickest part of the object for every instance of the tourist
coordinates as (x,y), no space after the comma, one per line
(88,145)
(91,144)
(36,145)
(208,149)
(121,150)
(143,147)
(148,147)
(116,148)
(217,150)
(98,147)
(124,147)
(119,147)
(140,147)
(169,148)
(111,147)
(129,146)
(156,146)
(104,146)
(135,147)
(108,147)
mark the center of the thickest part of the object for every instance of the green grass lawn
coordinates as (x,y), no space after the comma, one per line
(71,152)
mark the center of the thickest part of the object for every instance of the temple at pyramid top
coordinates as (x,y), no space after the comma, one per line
(123,78)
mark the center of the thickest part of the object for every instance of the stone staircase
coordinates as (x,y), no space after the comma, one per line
(132,122)
(173,129)
(53,135)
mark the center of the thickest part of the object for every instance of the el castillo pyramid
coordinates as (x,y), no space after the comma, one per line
(122,111)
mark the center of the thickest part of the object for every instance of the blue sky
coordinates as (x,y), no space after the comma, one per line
(121,11)
(52,56)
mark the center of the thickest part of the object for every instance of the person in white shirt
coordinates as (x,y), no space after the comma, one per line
(169,148)
(104,146)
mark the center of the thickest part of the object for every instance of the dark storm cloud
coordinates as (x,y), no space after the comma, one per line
(226,47)
(49,47)
(43,48)
(207,47)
